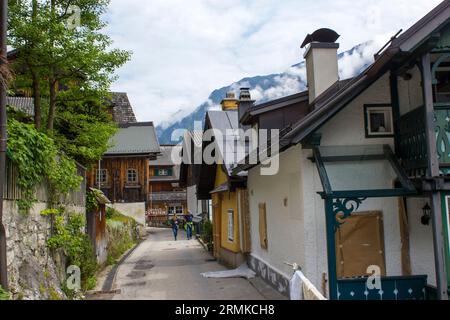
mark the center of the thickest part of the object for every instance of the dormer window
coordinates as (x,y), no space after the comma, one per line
(378,121)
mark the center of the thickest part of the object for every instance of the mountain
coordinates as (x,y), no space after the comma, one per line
(269,87)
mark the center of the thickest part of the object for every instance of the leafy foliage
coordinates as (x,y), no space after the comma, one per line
(77,59)
(37,159)
(69,236)
(122,232)
(4,295)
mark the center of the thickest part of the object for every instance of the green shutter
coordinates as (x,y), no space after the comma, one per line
(169,172)
(156,172)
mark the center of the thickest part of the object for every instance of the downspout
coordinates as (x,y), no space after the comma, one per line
(3,139)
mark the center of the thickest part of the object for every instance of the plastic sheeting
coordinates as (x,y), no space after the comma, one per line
(302,289)
(242,272)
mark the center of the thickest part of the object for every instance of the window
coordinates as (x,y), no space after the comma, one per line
(162,172)
(175,210)
(230,225)
(132,176)
(101,176)
(378,121)
(441,80)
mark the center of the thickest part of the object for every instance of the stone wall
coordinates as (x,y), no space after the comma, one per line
(34,273)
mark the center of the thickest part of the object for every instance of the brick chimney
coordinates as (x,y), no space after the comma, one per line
(245,101)
(230,102)
(321,61)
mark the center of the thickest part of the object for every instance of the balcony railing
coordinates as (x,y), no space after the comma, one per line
(413,140)
(392,288)
(168,196)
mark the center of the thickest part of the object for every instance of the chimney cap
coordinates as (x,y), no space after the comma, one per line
(245,94)
(323,35)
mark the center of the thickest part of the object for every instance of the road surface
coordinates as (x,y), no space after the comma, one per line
(161,268)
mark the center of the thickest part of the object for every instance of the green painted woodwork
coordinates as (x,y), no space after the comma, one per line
(442,120)
(343,208)
(444,39)
(446,228)
(392,288)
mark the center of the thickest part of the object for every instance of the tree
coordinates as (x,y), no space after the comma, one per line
(75,62)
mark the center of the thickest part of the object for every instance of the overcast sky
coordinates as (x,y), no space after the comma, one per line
(182,50)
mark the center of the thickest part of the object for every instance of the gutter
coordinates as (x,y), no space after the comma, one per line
(3,140)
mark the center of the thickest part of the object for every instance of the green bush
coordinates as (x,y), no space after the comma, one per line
(122,234)
(207,233)
(4,295)
(69,236)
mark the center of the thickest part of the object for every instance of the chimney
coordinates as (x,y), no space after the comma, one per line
(230,102)
(321,61)
(245,102)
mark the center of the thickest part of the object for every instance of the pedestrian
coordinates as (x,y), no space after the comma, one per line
(189,225)
(174,225)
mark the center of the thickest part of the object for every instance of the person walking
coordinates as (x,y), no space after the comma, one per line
(174,225)
(189,225)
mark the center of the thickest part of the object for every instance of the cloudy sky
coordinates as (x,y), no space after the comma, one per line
(182,50)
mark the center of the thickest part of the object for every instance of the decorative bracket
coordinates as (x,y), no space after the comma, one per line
(343,208)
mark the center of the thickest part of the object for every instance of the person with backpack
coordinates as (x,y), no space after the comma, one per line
(189,225)
(174,224)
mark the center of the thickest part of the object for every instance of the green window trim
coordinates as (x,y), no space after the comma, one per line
(446,223)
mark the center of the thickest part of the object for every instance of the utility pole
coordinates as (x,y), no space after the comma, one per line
(3,139)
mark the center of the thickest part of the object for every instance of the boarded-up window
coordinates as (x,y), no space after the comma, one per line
(263,226)
(360,244)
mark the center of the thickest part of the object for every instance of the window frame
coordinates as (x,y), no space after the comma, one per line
(159,170)
(97,176)
(378,107)
(230,225)
(136,176)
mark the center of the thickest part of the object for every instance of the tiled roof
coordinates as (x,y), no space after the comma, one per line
(122,110)
(134,138)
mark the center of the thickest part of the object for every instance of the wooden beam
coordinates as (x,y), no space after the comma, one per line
(433,171)
(401,174)
(322,172)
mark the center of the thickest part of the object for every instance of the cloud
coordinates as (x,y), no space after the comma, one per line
(183,50)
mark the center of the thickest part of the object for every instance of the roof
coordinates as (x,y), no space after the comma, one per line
(122,111)
(226,122)
(330,102)
(134,139)
(24,104)
(274,105)
(165,157)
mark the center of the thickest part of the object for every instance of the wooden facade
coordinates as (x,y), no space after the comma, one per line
(118,186)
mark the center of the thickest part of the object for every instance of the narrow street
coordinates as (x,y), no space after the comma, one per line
(160,268)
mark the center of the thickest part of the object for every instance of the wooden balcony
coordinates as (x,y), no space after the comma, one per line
(167,196)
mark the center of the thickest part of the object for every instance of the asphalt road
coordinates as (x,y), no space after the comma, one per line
(161,268)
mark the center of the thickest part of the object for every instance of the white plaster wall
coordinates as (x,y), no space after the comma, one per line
(135,210)
(284,223)
(420,241)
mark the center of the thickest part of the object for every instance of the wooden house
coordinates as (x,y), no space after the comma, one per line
(123,172)
(363,183)
(165,197)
